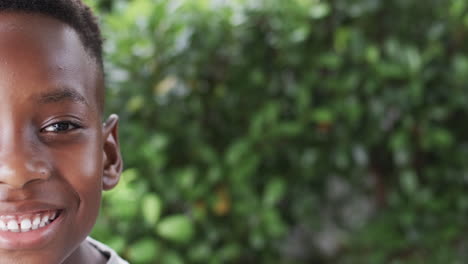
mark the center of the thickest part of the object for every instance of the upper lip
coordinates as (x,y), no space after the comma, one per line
(29,207)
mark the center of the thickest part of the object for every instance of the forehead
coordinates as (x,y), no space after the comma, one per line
(39,54)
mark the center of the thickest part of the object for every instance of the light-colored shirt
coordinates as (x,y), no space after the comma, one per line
(107,251)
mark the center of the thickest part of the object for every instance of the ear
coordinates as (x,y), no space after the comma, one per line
(112,158)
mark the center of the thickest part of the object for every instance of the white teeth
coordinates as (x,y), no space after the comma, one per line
(13,226)
(25,225)
(44,221)
(26,222)
(36,222)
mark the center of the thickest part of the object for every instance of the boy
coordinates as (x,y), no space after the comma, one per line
(56,156)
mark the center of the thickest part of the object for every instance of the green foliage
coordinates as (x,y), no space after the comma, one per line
(177,228)
(301,131)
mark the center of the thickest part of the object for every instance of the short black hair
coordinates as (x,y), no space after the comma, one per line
(72,12)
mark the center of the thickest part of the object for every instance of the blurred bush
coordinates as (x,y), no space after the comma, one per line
(299,131)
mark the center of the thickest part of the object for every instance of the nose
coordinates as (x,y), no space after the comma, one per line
(20,165)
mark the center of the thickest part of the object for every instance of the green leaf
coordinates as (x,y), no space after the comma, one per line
(322,115)
(274,191)
(143,251)
(176,228)
(172,258)
(319,10)
(237,151)
(151,208)
(409,182)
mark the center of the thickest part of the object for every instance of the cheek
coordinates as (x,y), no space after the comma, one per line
(81,168)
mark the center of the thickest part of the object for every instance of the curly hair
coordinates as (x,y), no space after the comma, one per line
(72,12)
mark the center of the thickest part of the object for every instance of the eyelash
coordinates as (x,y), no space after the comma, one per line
(56,129)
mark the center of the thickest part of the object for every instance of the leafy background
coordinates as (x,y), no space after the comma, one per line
(298,131)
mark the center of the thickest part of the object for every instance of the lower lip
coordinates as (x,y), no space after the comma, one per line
(31,239)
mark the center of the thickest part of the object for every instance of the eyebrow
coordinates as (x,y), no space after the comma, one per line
(63,94)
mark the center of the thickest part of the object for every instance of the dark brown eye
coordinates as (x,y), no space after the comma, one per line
(60,127)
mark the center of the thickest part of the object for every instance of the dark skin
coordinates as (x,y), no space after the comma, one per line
(54,148)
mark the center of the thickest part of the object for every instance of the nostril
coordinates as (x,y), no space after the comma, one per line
(43,171)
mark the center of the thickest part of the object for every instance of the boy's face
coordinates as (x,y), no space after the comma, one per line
(55,154)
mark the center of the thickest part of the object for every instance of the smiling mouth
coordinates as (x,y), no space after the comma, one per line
(27,222)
